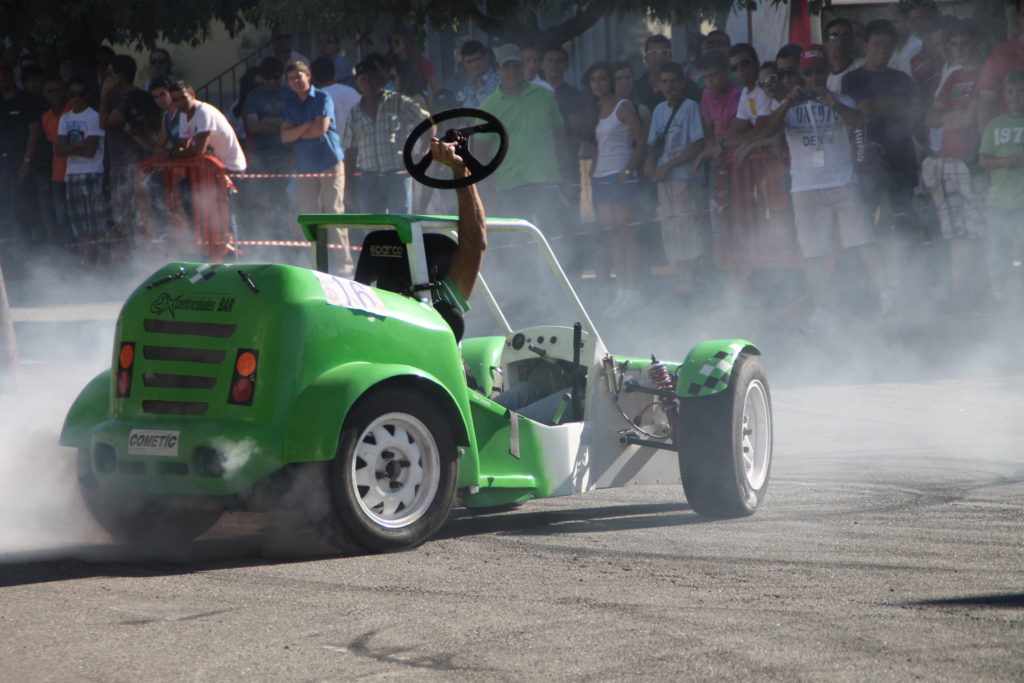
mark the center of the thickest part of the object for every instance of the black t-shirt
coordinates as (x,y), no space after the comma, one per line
(571,103)
(43,160)
(16,114)
(893,133)
(121,148)
(646,93)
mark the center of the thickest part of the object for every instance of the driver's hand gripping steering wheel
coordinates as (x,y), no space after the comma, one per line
(477,170)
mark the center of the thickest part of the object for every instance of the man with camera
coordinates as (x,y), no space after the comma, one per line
(817,122)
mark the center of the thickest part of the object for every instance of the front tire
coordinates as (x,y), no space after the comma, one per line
(393,479)
(725,444)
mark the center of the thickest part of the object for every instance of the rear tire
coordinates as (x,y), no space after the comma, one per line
(139,520)
(393,479)
(725,444)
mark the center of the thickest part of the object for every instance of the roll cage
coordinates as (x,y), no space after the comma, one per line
(410,229)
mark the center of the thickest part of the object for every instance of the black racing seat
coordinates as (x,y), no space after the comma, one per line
(384,264)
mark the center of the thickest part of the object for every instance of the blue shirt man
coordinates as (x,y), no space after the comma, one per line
(313,128)
(309,123)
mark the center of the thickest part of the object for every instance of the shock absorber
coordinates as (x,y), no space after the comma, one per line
(663,380)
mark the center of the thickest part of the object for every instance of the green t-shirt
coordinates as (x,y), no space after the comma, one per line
(531,118)
(1004,137)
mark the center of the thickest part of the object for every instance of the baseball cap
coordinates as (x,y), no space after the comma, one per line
(508,53)
(813,56)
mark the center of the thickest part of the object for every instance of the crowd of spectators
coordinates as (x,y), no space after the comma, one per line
(898,142)
(903,132)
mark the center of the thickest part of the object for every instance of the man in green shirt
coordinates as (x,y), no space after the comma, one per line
(528,179)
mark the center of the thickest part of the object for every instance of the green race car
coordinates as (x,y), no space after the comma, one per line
(350,395)
(231,383)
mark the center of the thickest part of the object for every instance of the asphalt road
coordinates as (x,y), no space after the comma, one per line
(889,547)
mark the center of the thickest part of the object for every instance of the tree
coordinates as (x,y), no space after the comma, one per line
(514,22)
(77,27)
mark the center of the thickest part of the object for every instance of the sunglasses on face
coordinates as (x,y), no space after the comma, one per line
(741,65)
(839,36)
(788,73)
(813,72)
(765,82)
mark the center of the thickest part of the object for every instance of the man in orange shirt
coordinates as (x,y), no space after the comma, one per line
(57,97)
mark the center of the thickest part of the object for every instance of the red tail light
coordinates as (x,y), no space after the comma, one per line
(243,379)
(125,361)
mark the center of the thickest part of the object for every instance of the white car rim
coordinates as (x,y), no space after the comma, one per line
(395,470)
(756,436)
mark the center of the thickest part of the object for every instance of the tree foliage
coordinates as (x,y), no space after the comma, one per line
(78,26)
(59,27)
(515,22)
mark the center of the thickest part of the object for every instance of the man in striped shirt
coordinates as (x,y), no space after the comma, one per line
(374,136)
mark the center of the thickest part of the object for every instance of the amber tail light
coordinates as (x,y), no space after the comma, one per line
(243,379)
(125,362)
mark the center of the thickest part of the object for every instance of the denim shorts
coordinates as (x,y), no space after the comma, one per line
(610,190)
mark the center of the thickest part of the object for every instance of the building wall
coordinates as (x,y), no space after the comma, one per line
(198,65)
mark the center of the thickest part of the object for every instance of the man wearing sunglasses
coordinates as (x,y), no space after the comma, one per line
(787,65)
(839,47)
(657,51)
(159,67)
(718,106)
(892,110)
(817,122)
(743,67)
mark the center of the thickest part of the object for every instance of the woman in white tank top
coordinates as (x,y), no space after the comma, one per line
(621,144)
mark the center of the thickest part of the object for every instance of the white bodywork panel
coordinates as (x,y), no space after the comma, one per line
(582,456)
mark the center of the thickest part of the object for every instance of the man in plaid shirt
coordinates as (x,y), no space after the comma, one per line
(374,136)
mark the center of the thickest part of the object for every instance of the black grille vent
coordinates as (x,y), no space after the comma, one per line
(164,381)
(220,330)
(174,353)
(131,467)
(174,469)
(174,407)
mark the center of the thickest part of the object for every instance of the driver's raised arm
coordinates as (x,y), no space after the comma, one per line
(469,255)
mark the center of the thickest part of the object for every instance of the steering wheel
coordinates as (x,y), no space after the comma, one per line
(460,136)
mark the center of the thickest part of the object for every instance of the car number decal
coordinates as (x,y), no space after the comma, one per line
(153,442)
(350,294)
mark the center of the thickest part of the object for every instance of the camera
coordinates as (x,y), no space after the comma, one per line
(808,96)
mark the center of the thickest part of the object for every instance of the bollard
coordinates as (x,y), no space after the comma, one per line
(8,345)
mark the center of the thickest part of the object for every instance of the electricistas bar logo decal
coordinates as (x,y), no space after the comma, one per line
(165,303)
